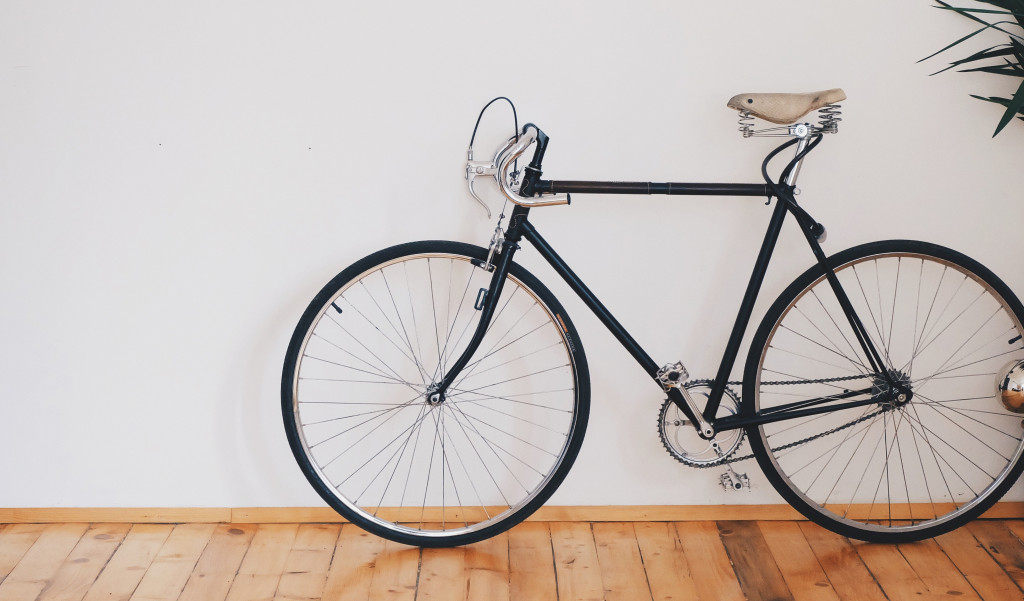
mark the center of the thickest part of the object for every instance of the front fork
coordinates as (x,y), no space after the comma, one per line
(500,269)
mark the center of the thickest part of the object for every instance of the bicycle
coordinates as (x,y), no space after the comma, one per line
(436,393)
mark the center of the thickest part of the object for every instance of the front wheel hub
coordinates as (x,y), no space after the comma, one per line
(434,396)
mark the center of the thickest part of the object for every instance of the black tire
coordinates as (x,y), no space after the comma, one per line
(378,335)
(890,472)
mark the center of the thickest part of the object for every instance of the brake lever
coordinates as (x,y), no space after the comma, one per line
(475,169)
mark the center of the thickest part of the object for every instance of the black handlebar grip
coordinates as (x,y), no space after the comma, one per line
(533,170)
(542,146)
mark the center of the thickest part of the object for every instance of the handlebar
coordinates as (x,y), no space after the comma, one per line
(500,167)
(531,134)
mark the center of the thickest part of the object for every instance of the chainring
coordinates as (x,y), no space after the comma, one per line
(680,438)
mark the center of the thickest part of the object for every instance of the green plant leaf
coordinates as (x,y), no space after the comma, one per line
(971,35)
(1003,50)
(1016,105)
(959,10)
(997,70)
(963,39)
(984,11)
(1018,50)
(967,13)
(1015,6)
(1011,54)
(993,99)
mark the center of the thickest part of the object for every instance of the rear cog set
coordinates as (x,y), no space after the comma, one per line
(681,439)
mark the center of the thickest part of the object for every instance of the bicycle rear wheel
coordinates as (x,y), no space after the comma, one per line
(356,408)
(890,472)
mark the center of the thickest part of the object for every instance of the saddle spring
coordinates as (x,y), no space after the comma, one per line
(828,118)
(746,124)
(828,123)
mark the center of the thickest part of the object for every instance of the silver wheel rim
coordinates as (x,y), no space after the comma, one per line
(937,482)
(490,449)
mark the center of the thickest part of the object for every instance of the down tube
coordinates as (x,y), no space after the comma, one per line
(574,282)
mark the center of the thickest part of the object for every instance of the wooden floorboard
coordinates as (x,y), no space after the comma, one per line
(563,561)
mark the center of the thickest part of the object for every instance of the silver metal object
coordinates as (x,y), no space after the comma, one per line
(504,159)
(682,441)
(497,242)
(1010,386)
(799,130)
(730,480)
(791,179)
(746,124)
(828,118)
(828,123)
(508,181)
(475,169)
(672,375)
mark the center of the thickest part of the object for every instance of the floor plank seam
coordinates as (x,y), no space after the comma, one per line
(554,561)
(992,553)
(640,552)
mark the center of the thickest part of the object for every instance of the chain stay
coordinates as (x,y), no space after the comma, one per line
(804,441)
(797,443)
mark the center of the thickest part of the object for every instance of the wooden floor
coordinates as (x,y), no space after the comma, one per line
(712,561)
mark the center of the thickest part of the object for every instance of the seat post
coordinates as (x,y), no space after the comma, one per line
(791,178)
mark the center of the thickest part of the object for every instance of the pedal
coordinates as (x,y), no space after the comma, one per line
(673,375)
(730,480)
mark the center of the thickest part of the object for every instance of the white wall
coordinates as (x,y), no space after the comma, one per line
(178,179)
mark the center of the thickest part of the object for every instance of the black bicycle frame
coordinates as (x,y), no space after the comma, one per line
(520,228)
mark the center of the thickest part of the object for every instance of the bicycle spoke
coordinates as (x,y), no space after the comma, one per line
(512,400)
(414,426)
(509,434)
(354,356)
(398,463)
(373,354)
(841,333)
(802,379)
(458,311)
(387,379)
(874,321)
(469,478)
(849,461)
(477,403)
(538,372)
(336,435)
(911,467)
(833,347)
(939,455)
(816,360)
(938,319)
(936,406)
(480,458)
(953,448)
(441,366)
(469,369)
(494,447)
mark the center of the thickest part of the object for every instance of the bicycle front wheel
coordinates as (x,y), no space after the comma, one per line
(366,434)
(946,327)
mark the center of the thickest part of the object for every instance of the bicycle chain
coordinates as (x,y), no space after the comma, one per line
(797,442)
(728,460)
(818,381)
